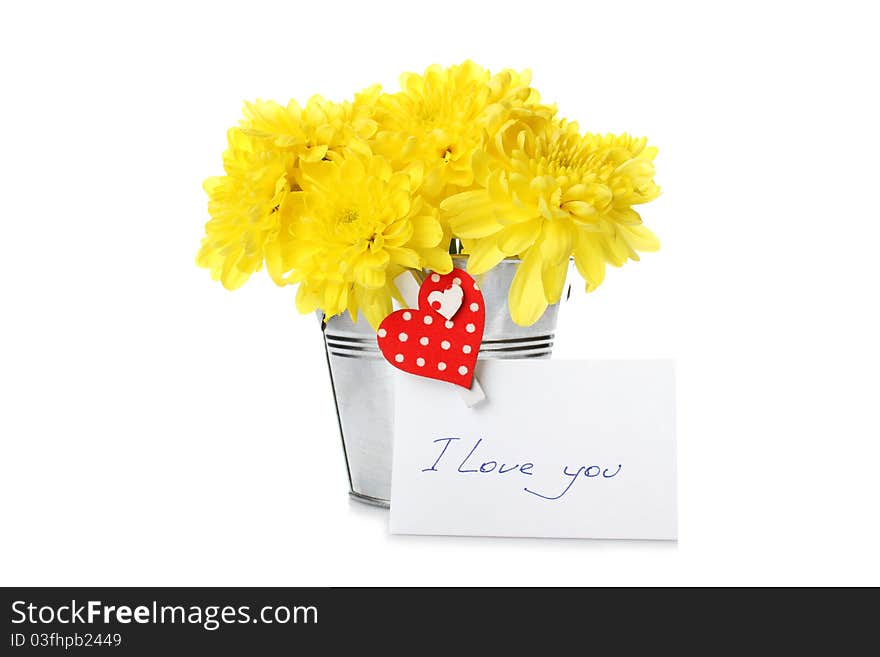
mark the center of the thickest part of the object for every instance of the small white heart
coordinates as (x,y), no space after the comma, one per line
(449,300)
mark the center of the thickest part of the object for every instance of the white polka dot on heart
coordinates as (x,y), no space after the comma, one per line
(407,315)
(475,307)
(445,344)
(428,319)
(470,328)
(435,278)
(420,362)
(476,287)
(466,349)
(423,341)
(449,323)
(441,366)
(456,281)
(403,337)
(382,333)
(462,370)
(399,358)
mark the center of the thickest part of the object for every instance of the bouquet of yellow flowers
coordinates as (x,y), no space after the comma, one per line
(341,198)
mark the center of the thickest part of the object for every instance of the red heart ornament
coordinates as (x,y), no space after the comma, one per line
(423,342)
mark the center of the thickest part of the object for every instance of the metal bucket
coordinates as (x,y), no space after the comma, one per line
(363,384)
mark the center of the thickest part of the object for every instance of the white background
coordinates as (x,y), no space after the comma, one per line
(157,429)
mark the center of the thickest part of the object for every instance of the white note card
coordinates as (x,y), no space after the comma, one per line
(561,448)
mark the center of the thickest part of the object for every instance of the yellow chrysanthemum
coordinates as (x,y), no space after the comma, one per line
(321,126)
(439,119)
(252,205)
(546,192)
(246,226)
(361,224)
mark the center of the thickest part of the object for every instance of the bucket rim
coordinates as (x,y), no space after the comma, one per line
(465,256)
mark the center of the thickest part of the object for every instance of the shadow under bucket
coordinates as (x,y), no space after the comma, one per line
(363,382)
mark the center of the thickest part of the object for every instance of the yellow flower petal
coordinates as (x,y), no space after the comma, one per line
(374,305)
(398,233)
(231,276)
(369,278)
(437,259)
(427,231)
(590,260)
(553,278)
(617,250)
(484,255)
(375,258)
(401,203)
(640,238)
(557,241)
(480,165)
(471,214)
(315,153)
(526,298)
(335,298)
(307,301)
(405,257)
(516,238)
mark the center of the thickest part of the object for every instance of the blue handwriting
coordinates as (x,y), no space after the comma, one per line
(472,465)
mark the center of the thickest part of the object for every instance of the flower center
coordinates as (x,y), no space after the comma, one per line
(348,217)
(565,156)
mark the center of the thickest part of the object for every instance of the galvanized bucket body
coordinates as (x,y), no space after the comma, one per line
(363,382)
(363,389)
